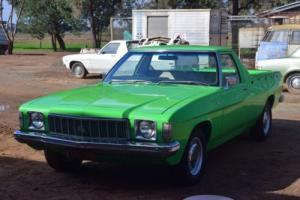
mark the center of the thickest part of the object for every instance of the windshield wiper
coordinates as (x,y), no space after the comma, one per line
(129,81)
(183,82)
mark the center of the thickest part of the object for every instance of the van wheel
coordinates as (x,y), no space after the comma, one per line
(79,70)
(293,83)
(62,162)
(190,168)
(262,129)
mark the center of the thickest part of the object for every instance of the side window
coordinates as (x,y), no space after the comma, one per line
(129,66)
(279,36)
(229,68)
(111,48)
(295,39)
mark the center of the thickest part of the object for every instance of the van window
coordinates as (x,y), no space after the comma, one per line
(277,36)
(295,39)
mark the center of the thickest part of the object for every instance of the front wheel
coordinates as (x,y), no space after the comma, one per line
(62,162)
(79,70)
(191,166)
(262,128)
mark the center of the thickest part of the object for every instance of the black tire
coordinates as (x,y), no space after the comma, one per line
(78,70)
(190,168)
(61,162)
(293,83)
(262,129)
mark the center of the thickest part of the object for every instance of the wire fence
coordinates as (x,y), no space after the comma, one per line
(243,34)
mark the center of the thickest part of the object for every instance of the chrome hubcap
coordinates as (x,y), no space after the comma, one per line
(266,122)
(78,70)
(295,82)
(195,156)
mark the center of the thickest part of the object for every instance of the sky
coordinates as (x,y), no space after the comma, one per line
(6,11)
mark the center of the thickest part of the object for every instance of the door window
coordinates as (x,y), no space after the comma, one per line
(111,48)
(229,69)
(295,39)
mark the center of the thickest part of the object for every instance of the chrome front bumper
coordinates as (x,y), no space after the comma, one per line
(41,141)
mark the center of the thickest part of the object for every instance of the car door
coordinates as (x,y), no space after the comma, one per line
(106,58)
(233,97)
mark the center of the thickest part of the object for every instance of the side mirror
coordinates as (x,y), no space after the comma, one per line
(230,81)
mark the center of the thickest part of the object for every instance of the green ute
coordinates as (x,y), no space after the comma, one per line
(164,104)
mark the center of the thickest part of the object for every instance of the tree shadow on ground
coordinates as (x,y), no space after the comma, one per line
(241,169)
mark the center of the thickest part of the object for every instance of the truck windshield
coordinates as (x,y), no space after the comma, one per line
(166,68)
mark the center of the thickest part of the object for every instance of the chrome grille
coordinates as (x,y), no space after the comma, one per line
(88,127)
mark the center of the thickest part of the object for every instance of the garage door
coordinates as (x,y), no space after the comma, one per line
(157,26)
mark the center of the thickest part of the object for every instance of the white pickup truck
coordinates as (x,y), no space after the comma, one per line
(101,62)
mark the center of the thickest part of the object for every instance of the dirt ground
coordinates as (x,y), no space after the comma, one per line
(241,169)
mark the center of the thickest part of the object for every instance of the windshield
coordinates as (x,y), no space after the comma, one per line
(171,67)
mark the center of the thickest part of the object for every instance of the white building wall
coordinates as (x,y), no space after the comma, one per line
(194,24)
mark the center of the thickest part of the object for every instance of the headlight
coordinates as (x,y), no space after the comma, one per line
(36,121)
(145,130)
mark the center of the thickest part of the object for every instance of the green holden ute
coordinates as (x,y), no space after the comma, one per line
(168,105)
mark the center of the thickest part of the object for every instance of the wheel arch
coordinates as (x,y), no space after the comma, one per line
(205,127)
(271,100)
(289,74)
(76,61)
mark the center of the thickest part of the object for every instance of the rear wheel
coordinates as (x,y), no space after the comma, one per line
(79,70)
(293,83)
(62,162)
(262,128)
(191,166)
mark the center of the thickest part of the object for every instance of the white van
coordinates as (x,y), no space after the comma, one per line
(279,41)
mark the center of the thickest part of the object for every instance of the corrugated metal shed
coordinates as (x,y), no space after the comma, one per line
(198,26)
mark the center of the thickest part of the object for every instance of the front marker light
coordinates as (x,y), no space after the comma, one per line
(145,130)
(21,122)
(36,121)
(167,132)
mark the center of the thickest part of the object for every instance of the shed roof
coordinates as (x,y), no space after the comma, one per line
(281,9)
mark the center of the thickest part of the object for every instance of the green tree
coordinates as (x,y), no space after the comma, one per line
(35,28)
(10,26)
(194,4)
(98,14)
(54,17)
(128,5)
(241,7)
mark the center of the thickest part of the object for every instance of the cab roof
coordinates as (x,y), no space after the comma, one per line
(181,48)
